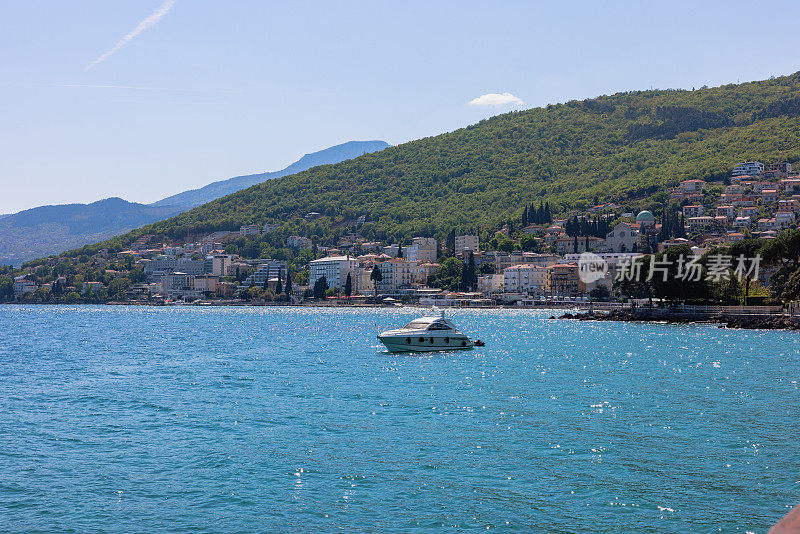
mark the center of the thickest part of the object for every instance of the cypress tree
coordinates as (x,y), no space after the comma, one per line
(525,217)
(288,286)
(399,251)
(279,287)
(575,245)
(547,217)
(348,285)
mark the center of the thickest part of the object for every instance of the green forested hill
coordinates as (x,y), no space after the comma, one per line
(620,147)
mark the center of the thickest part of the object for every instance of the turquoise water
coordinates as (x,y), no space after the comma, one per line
(116,419)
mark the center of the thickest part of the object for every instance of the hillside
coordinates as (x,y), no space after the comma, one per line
(48,230)
(625,147)
(334,154)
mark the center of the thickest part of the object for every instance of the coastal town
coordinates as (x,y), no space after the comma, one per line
(529,261)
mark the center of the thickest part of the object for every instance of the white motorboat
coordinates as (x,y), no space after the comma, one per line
(426,334)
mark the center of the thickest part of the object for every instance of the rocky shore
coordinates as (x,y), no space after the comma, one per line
(763,322)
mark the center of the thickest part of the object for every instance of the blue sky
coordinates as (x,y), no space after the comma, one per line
(211,89)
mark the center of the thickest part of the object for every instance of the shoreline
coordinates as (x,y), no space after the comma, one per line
(747,322)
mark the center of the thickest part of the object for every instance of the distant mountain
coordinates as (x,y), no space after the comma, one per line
(215,190)
(50,229)
(47,230)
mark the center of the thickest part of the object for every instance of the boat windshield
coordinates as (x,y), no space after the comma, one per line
(416,325)
(439,325)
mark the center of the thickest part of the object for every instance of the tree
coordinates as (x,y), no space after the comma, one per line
(469,278)
(348,285)
(448,275)
(749,248)
(376,276)
(320,287)
(279,286)
(399,251)
(288,286)
(506,245)
(529,243)
(451,242)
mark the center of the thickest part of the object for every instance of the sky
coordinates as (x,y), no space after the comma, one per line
(142,99)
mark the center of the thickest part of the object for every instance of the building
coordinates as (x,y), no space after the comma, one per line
(784,219)
(22,286)
(790,186)
(334,268)
(697,224)
(783,168)
(164,265)
(526,279)
(622,238)
(692,186)
(564,280)
(250,229)
(751,168)
(695,210)
(491,283)
(396,274)
(206,283)
(217,264)
(769,196)
(789,205)
(302,243)
(566,245)
(271,270)
(179,285)
(742,222)
(726,211)
(467,242)
(271,227)
(749,211)
(422,249)
(646,221)
(421,271)
(362,281)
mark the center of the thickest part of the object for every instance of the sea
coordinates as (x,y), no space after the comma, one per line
(289,419)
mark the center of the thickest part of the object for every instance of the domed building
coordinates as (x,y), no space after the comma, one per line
(645,220)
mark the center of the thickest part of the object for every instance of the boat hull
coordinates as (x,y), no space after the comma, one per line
(417,343)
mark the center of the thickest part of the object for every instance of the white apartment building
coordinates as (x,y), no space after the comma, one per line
(22,286)
(491,283)
(526,279)
(422,249)
(467,242)
(271,270)
(748,168)
(250,229)
(396,274)
(179,285)
(217,264)
(334,268)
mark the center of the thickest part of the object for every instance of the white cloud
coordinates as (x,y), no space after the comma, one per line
(496,100)
(149,22)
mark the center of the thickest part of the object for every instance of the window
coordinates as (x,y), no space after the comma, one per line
(438,326)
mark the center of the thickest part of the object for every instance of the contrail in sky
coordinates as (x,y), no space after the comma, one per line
(150,21)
